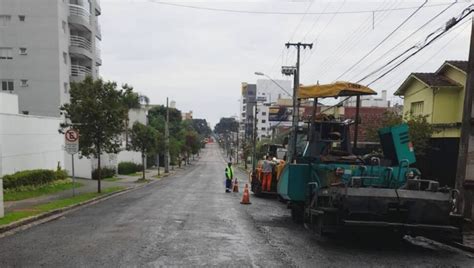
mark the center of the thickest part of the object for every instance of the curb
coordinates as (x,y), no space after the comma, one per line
(462,246)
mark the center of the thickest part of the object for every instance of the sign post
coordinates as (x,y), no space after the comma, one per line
(72,148)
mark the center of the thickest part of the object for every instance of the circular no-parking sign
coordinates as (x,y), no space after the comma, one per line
(71,141)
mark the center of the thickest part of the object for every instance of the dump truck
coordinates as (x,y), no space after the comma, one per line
(330,189)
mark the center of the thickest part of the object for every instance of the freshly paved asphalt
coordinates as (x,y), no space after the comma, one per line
(188,220)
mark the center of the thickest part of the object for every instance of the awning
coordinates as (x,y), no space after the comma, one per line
(336,89)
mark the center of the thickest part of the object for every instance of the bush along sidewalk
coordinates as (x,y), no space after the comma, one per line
(33,177)
(30,191)
(106,172)
(126,168)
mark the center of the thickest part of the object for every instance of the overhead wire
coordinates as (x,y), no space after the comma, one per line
(279,12)
(384,39)
(406,38)
(348,45)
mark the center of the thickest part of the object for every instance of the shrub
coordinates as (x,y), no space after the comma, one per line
(126,168)
(106,172)
(32,178)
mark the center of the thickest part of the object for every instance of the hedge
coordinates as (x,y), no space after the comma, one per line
(106,173)
(32,177)
(126,168)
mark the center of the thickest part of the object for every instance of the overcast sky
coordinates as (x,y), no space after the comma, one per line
(199,57)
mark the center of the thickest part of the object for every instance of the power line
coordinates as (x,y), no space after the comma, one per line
(406,38)
(283,12)
(383,40)
(443,30)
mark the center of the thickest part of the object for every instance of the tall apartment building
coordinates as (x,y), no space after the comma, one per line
(247,103)
(44,46)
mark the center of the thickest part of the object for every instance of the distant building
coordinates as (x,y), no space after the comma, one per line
(173,104)
(369,101)
(187,116)
(440,97)
(44,46)
(247,103)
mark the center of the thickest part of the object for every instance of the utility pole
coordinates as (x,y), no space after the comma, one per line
(254,137)
(465,167)
(296,84)
(167,139)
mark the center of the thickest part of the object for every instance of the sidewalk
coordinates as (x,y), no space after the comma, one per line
(88,186)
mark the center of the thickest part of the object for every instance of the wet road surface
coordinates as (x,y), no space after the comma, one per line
(188,220)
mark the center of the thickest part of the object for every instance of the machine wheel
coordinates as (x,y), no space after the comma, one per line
(297,213)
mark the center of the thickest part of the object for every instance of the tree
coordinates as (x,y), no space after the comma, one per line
(226,124)
(143,139)
(96,110)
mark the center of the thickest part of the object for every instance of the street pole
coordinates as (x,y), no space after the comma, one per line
(292,154)
(465,168)
(167,139)
(237,151)
(356,126)
(73,177)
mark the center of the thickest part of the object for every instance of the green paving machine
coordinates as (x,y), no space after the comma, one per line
(331,189)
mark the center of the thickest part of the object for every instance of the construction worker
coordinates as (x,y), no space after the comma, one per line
(229,176)
(267,169)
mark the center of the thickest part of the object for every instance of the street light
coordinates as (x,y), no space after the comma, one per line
(262,74)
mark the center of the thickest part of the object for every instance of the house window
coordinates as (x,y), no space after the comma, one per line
(7,85)
(24,82)
(23,51)
(5,20)
(416,108)
(21,17)
(6,53)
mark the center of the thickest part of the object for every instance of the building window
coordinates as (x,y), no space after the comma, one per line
(24,82)
(6,53)
(65,57)
(264,113)
(21,17)
(23,51)
(7,85)
(264,121)
(5,20)
(66,90)
(264,128)
(64,26)
(416,108)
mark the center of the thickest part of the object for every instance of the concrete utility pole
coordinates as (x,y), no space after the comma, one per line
(167,139)
(296,84)
(254,138)
(465,168)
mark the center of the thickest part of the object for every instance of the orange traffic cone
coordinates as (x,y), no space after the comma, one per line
(235,187)
(246,196)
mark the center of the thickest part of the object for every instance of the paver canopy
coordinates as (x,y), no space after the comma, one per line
(336,89)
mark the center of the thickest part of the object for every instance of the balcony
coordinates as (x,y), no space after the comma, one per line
(98,58)
(79,15)
(80,71)
(82,42)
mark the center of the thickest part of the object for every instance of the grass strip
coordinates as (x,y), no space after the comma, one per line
(61,203)
(16,195)
(112,179)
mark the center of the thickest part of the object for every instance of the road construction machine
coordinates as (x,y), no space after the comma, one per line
(331,189)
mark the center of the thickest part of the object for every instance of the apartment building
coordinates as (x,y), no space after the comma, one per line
(44,46)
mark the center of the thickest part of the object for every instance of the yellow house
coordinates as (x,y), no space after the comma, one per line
(439,95)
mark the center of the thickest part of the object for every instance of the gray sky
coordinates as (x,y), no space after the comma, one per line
(199,58)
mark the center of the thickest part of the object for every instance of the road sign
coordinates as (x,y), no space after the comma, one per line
(72,141)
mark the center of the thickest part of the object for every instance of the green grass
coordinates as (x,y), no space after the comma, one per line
(137,174)
(17,215)
(112,179)
(39,191)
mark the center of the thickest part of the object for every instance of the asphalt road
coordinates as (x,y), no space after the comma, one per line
(188,220)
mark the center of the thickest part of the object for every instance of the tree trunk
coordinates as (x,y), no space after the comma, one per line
(143,165)
(99,172)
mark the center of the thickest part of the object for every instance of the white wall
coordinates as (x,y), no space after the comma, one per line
(29,142)
(129,156)
(8,103)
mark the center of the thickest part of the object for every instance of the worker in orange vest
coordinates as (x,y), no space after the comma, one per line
(267,169)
